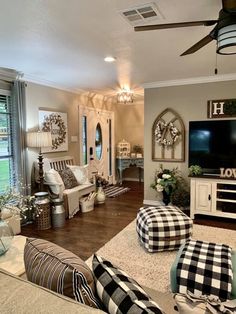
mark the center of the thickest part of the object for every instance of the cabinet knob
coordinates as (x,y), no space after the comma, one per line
(209,197)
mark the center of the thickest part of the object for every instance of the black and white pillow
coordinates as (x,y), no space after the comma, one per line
(118,292)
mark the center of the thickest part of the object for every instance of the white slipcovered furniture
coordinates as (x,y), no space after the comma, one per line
(71,196)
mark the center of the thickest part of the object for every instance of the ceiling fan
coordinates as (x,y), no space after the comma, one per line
(224,31)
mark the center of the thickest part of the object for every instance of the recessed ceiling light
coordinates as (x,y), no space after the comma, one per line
(109,59)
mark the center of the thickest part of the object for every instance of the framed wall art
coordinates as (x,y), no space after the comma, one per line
(56,123)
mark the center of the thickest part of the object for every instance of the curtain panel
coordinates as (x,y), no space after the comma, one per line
(18,130)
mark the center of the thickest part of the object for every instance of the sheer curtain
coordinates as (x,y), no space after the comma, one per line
(19,129)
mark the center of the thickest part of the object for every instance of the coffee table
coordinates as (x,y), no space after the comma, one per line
(13,260)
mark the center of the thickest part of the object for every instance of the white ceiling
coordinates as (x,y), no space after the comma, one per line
(62,43)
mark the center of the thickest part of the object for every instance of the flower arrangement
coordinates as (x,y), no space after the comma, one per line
(163,128)
(100,181)
(166,180)
(17,202)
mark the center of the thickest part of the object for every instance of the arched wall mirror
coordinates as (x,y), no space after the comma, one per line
(98,141)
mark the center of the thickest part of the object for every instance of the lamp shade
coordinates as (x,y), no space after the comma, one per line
(39,139)
(226,40)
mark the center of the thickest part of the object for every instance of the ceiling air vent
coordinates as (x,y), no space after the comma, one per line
(142,14)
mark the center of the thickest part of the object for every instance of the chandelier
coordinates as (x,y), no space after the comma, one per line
(125,96)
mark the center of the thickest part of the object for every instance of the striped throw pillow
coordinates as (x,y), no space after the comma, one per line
(57,269)
(118,292)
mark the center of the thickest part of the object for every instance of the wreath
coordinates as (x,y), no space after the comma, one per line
(162,129)
(55,118)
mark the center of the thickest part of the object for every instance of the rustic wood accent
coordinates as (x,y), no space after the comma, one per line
(86,233)
(60,163)
(221,108)
(162,157)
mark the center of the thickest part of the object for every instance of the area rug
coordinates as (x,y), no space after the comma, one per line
(114,191)
(152,269)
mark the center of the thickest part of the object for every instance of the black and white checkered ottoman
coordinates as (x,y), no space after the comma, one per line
(163,228)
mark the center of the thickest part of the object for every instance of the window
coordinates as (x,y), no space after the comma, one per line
(7,171)
(110,147)
(98,141)
(84,135)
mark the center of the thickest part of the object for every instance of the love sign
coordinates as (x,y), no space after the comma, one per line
(228,173)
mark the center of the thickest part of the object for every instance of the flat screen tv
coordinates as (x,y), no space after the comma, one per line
(212,145)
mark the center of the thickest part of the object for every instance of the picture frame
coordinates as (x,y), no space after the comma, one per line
(56,123)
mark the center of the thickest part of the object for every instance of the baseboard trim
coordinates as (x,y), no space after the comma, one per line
(152,203)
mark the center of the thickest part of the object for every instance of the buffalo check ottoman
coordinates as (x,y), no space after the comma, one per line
(162,228)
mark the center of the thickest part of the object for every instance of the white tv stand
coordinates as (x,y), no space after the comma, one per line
(213,196)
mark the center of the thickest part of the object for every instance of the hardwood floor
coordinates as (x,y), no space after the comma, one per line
(85,233)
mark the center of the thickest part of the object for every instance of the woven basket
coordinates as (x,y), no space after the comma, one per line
(43,217)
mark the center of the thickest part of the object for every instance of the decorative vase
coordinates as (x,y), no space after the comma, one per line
(6,236)
(166,197)
(101,196)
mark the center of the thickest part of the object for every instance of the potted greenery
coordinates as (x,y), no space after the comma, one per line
(194,170)
(181,197)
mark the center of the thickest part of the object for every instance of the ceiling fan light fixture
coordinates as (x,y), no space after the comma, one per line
(226,40)
(125,96)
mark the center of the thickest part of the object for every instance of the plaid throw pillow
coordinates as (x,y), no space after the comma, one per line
(50,266)
(118,292)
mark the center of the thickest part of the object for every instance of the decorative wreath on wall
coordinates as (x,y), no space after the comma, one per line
(60,135)
(162,129)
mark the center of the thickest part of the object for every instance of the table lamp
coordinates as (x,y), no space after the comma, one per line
(38,140)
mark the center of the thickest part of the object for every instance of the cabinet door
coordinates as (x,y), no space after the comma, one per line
(203,196)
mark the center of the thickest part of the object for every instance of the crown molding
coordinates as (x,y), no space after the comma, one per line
(40,81)
(9,74)
(192,80)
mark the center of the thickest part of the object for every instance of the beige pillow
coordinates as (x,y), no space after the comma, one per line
(59,270)
(81,173)
(195,305)
(54,180)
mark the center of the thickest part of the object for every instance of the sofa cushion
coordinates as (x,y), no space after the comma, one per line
(57,269)
(68,178)
(81,173)
(118,292)
(21,296)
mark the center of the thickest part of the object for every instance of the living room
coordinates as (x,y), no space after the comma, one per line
(63,75)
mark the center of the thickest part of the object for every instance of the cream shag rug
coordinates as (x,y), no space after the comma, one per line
(152,269)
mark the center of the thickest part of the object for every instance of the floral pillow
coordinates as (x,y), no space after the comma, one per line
(68,178)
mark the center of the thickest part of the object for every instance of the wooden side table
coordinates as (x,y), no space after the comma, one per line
(13,260)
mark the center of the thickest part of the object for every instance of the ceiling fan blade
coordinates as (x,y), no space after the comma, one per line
(203,42)
(229,5)
(174,25)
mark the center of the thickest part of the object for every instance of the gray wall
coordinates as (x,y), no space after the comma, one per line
(190,102)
